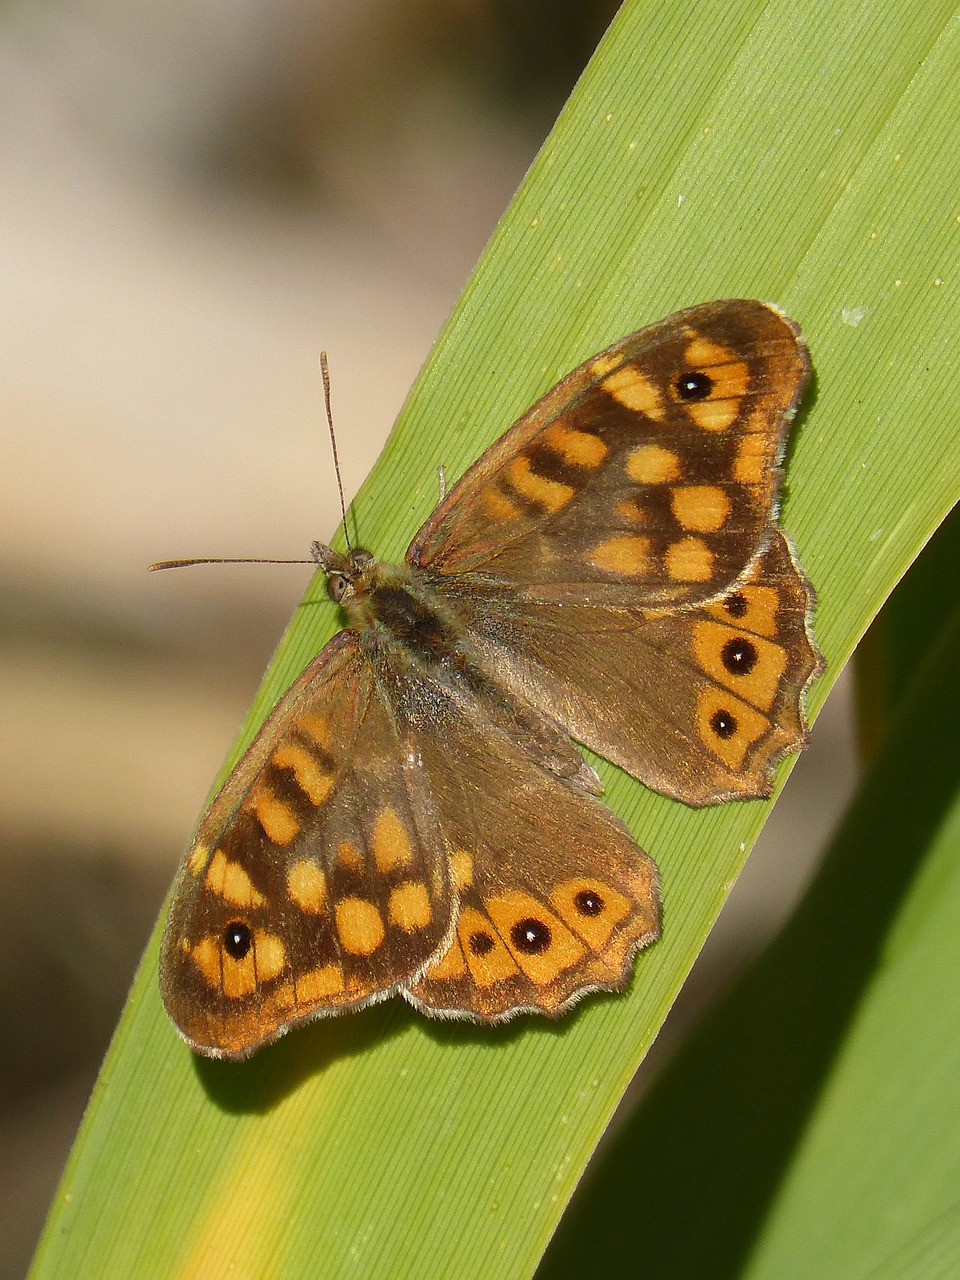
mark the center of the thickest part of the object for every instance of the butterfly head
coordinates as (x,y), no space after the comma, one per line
(348,576)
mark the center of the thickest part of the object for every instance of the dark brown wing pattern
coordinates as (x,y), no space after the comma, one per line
(697,703)
(555,895)
(319,878)
(647,477)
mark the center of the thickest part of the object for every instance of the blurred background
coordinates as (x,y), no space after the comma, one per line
(194,199)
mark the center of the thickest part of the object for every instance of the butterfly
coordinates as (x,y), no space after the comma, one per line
(414,817)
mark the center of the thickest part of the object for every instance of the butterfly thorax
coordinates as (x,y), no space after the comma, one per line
(390,603)
(418,647)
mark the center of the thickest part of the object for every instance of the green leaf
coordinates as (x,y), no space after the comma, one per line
(789,151)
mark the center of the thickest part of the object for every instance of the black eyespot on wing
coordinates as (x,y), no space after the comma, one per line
(723,724)
(693,386)
(531,936)
(735,604)
(588,902)
(237,939)
(480,943)
(739,656)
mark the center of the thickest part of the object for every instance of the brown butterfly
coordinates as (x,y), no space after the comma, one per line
(414,817)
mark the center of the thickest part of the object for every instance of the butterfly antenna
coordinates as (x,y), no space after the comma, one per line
(325,375)
(183,564)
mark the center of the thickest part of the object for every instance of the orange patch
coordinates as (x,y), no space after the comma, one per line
(496,504)
(307,886)
(461,869)
(348,855)
(280,824)
(487,958)
(634,390)
(652,464)
(625,554)
(510,911)
(549,494)
(320,984)
(391,844)
(594,928)
(409,906)
(760,683)
(689,560)
(230,881)
(359,925)
(314,782)
(750,466)
(701,507)
(580,448)
(727,726)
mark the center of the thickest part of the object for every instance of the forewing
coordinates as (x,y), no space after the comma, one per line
(555,895)
(647,477)
(697,703)
(318,880)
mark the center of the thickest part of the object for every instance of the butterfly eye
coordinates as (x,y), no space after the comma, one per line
(336,586)
(237,939)
(693,386)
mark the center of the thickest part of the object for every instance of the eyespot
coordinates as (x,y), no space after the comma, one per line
(480,943)
(735,604)
(588,902)
(723,724)
(739,656)
(693,386)
(531,936)
(237,939)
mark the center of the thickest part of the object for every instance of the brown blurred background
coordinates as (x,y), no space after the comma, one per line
(194,199)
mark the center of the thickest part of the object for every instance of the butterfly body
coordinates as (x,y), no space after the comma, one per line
(415,816)
(415,631)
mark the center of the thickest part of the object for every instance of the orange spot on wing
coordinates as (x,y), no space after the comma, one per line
(359,925)
(758,685)
(230,881)
(409,906)
(727,726)
(461,869)
(652,464)
(547,493)
(634,390)
(509,910)
(752,462)
(689,560)
(313,781)
(579,448)
(625,554)
(319,984)
(307,885)
(703,507)
(391,844)
(280,824)
(496,504)
(487,958)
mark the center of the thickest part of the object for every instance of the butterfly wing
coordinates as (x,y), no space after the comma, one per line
(555,895)
(697,703)
(648,477)
(318,879)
